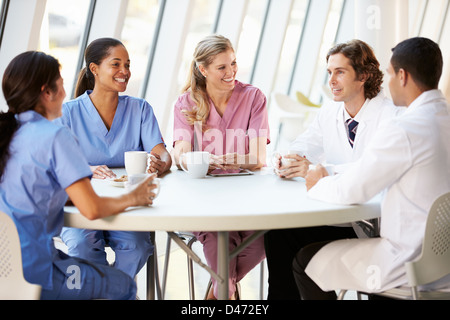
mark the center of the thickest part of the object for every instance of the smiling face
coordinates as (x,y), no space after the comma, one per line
(113,73)
(221,73)
(343,80)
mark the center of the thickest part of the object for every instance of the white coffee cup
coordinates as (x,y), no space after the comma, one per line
(136,179)
(197,163)
(136,162)
(284,161)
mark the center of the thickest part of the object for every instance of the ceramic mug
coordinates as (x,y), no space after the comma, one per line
(197,163)
(136,162)
(135,179)
(284,161)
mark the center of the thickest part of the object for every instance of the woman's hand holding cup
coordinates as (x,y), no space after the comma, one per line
(143,187)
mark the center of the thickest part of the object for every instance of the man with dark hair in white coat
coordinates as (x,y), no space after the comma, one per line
(338,136)
(409,161)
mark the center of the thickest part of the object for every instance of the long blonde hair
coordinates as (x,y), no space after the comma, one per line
(204,55)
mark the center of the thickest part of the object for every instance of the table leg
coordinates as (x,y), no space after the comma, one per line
(223,263)
(152,273)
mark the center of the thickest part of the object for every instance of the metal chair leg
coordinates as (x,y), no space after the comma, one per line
(166,268)
(152,273)
(192,257)
(191,270)
(261,281)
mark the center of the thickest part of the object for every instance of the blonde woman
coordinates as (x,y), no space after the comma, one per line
(219,114)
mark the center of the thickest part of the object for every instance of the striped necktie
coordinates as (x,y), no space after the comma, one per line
(352,126)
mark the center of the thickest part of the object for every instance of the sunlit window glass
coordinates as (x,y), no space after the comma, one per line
(62,28)
(249,39)
(290,45)
(137,36)
(328,40)
(203,18)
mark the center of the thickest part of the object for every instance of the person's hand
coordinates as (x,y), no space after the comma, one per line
(144,193)
(297,167)
(229,161)
(156,165)
(102,172)
(313,176)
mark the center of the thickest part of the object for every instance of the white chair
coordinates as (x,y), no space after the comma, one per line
(305,100)
(293,117)
(13,285)
(433,263)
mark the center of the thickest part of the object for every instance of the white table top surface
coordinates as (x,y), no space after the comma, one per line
(261,201)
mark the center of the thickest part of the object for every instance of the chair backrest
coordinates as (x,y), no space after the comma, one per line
(305,100)
(13,286)
(434,262)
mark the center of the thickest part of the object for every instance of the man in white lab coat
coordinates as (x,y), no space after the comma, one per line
(355,81)
(409,161)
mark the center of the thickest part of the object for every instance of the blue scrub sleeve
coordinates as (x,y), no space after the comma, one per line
(69,163)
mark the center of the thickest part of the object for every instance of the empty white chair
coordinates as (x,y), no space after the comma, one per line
(293,117)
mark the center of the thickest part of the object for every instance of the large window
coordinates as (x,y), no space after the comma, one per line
(249,39)
(319,79)
(288,54)
(62,28)
(201,25)
(137,36)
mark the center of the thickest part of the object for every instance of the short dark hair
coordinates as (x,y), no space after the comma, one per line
(422,58)
(363,60)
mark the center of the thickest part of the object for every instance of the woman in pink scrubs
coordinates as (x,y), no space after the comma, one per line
(218,114)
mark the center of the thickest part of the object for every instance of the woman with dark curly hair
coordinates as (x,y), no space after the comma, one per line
(337,137)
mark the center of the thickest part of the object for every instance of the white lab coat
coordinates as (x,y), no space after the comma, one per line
(409,160)
(326,139)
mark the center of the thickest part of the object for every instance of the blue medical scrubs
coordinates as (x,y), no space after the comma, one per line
(134,128)
(45,160)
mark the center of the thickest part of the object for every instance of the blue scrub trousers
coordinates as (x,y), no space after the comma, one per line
(77,279)
(131,249)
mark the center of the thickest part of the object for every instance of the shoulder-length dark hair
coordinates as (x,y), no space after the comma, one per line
(96,52)
(365,64)
(22,84)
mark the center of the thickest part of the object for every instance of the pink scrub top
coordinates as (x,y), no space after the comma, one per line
(244,119)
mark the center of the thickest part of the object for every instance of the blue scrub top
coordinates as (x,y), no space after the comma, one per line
(45,160)
(134,128)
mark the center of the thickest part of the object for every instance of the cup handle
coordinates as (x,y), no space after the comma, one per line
(181,162)
(149,160)
(274,159)
(156,181)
